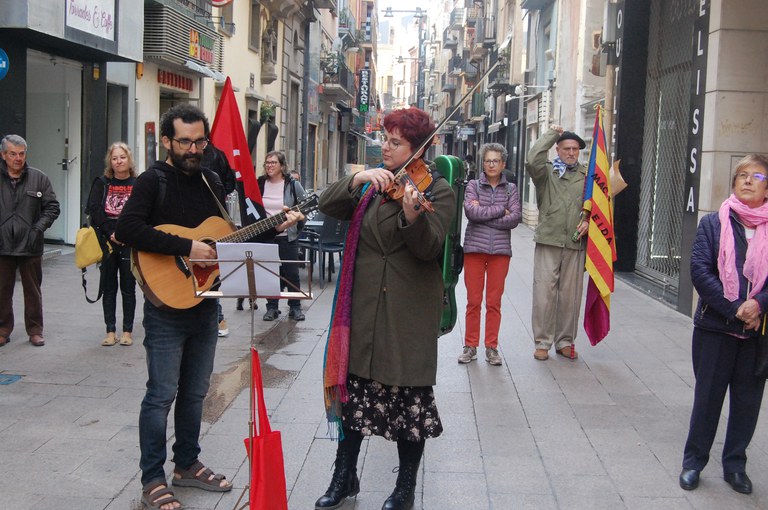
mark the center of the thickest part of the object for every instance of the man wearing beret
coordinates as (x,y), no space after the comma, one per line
(558,264)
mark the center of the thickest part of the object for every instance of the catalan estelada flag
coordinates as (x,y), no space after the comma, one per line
(601,247)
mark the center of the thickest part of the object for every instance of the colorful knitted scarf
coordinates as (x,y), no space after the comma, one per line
(336,362)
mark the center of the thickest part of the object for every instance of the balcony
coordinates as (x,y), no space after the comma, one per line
(348,28)
(473,14)
(457,18)
(499,79)
(283,9)
(455,66)
(450,41)
(477,110)
(487,32)
(338,82)
(447,83)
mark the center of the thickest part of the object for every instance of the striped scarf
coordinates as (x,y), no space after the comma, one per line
(336,361)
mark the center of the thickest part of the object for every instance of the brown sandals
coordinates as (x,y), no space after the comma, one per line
(155,500)
(206,479)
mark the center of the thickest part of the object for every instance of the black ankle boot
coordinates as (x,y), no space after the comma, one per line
(402,498)
(344,482)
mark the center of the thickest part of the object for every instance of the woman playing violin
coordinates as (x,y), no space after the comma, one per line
(381,358)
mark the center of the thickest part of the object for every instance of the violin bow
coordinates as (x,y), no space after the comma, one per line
(428,140)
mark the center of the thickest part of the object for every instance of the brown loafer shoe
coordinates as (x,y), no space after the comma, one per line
(541,354)
(37,340)
(566,352)
(3,340)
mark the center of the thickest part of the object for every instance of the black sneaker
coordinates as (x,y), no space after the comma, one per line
(271,314)
(296,314)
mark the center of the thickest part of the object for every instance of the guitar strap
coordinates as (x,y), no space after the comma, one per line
(224,212)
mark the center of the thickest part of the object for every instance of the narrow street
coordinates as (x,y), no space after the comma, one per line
(603,432)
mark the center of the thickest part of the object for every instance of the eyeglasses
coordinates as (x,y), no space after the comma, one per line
(271,163)
(493,162)
(394,144)
(755,177)
(186,144)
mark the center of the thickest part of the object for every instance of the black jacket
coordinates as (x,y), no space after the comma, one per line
(187,203)
(25,212)
(96,202)
(714,312)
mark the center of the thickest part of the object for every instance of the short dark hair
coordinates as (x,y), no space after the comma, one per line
(188,114)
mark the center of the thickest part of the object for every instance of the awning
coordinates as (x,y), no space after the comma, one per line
(206,71)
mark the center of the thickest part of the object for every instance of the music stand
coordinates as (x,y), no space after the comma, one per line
(250,264)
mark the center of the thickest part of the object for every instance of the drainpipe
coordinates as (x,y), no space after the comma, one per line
(305,178)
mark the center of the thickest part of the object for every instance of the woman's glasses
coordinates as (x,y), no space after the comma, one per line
(755,177)
(493,162)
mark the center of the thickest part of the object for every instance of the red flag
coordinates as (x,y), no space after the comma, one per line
(228,135)
(601,249)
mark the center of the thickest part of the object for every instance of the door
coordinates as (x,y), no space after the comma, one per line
(53,134)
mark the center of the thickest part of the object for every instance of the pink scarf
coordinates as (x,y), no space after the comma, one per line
(755,267)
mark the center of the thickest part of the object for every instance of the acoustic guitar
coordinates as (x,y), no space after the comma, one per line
(169,282)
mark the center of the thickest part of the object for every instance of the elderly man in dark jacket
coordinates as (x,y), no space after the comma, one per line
(28,207)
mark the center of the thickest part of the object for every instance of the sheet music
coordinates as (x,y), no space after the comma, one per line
(236,284)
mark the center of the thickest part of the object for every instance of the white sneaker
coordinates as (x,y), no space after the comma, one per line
(223,329)
(468,354)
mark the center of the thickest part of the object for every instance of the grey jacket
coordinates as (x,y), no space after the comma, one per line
(488,230)
(560,200)
(293,194)
(25,212)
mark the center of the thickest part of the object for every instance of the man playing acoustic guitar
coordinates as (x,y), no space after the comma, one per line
(180,344)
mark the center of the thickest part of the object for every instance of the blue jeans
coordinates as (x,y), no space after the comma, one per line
(180,348)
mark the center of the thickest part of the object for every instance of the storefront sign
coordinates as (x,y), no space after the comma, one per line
(363,93)
(200,46)
(95,17)
(5,64)
(171,79)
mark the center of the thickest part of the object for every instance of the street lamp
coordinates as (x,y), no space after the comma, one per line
(417,13)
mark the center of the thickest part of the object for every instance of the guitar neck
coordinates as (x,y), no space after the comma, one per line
(245,233)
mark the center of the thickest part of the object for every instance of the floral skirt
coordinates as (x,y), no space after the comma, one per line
(393,412)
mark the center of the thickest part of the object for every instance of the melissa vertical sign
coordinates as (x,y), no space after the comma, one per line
(95,17)
(693,153)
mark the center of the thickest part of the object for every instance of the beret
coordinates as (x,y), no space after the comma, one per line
(568,135)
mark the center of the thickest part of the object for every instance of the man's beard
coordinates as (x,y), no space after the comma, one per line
(187,163)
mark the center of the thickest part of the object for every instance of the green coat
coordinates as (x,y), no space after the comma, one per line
(560,200)
(398,286)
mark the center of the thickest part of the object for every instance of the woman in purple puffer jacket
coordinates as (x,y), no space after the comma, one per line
(492,206)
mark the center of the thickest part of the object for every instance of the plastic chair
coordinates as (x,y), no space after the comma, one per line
(329,240)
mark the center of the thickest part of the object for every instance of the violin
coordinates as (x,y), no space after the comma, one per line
(417,174)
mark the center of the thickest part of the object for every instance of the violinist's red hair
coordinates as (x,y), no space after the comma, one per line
(414,125)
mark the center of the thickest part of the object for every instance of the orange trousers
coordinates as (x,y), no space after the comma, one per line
(483,271)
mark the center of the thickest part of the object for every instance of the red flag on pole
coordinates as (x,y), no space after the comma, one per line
(228,135)
(601,248)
